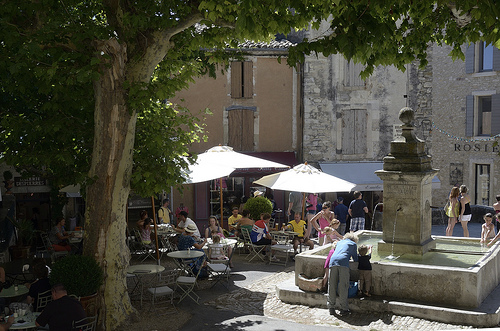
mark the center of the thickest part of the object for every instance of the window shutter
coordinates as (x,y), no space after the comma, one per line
(235,130)
(469,59)
(360,131)
(247,132)
(236,88)
(495,114)
(247,79)
(240,131)
(469,116)
(496,59)
(348,138)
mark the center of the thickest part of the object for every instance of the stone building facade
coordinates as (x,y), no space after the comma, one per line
(466,122)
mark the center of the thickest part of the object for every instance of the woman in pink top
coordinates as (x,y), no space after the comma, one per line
(324,217)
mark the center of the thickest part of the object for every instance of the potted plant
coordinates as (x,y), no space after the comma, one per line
(25,236)
(257,206)
(81,276)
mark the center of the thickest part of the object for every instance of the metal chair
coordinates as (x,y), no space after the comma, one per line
(282,246)
(164,285)
(220,269)
(43,299)
(167,246)
(255,250)
(187,284)
(50,249)
(85,324)
(145,249)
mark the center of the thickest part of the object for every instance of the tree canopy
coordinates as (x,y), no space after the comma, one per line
(49,64)
(85,85)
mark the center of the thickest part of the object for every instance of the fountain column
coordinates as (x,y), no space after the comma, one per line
(407,175)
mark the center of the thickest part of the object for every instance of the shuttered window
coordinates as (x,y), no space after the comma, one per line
(481,57)
(240,133)
(482,115)
(354,131)
(241,79)
(351,74)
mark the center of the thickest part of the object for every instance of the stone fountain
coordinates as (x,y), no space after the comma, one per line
(411,265)
(407,178)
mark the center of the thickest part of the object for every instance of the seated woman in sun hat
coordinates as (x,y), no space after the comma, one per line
(187,241)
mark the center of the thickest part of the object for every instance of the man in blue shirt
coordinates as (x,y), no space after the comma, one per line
(341,213)
(338,279)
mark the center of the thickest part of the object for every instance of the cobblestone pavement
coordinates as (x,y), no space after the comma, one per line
(259,298)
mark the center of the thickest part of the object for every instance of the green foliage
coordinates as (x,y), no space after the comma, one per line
(49,65)
(258,205)
(81,275)
(25,231)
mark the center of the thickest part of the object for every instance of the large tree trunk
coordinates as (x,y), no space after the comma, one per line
(111,168)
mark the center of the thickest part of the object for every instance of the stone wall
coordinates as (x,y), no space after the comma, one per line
(345,121)
(454,153)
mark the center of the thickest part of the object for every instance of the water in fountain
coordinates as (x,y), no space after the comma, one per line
(392,257)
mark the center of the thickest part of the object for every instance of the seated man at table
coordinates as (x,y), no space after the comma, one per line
(260,233)
(232,221)
(184,221)
(60,313)
(299,226)
(187,241)
(40,285)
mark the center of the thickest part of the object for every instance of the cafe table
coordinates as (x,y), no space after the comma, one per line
(11,292)
(188,254)
(25,322)
(139,270)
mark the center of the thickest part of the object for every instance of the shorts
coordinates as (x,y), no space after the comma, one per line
(312,211)
(465,218)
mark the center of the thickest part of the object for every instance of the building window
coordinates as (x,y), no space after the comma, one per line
(241,79)
(351,74)
(240,129)
(354,131)
(482,189)
(482,115)
(485,56)
(482,57)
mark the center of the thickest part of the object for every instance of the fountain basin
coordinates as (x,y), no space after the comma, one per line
(455,284)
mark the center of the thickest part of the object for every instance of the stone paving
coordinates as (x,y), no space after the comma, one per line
(259,298)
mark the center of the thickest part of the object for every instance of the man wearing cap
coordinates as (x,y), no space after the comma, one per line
(341,211)
(184,221)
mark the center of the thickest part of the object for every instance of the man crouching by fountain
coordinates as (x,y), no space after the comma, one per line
(338,280)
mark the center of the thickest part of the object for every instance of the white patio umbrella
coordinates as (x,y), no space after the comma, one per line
(197,173)
(306,179)
(211,164)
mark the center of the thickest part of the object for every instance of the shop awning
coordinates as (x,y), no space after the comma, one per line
(287,158)
(363,174)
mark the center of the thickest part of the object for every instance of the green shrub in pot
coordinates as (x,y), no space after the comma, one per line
(81,275)
(257,206)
